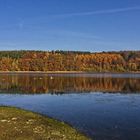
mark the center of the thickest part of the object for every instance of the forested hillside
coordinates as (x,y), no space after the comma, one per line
(124,61)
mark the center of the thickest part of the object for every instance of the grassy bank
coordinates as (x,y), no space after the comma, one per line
(24,125)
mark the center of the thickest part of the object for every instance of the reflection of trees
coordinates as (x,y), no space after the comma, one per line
(60,85)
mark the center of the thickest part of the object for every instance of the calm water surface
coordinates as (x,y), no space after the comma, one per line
(103,106)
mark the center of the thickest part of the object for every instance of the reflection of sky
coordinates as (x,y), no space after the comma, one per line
(99,115)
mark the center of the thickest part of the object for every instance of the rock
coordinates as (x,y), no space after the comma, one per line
(14,119)
(3,120)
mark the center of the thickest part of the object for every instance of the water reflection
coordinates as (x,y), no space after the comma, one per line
(60,84)
(101,116)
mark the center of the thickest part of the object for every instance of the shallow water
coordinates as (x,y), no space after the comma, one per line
(103,106)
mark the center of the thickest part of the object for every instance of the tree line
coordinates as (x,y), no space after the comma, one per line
(123,61)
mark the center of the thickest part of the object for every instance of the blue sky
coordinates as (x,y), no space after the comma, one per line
(84,25)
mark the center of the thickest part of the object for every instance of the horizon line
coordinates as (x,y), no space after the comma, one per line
(36,50)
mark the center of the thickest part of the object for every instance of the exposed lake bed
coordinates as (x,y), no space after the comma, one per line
(105,107)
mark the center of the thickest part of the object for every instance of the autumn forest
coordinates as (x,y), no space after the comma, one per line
(124,61)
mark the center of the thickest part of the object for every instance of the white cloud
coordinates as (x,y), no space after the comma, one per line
(109,11)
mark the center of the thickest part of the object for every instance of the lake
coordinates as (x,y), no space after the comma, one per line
(102,106)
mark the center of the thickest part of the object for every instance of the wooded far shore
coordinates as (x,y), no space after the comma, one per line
(69,61)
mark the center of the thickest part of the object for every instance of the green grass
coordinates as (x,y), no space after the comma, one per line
(17,124)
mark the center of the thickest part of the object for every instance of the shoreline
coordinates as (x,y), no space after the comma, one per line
(64,72)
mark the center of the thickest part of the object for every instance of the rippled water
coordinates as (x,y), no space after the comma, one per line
(103,106)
